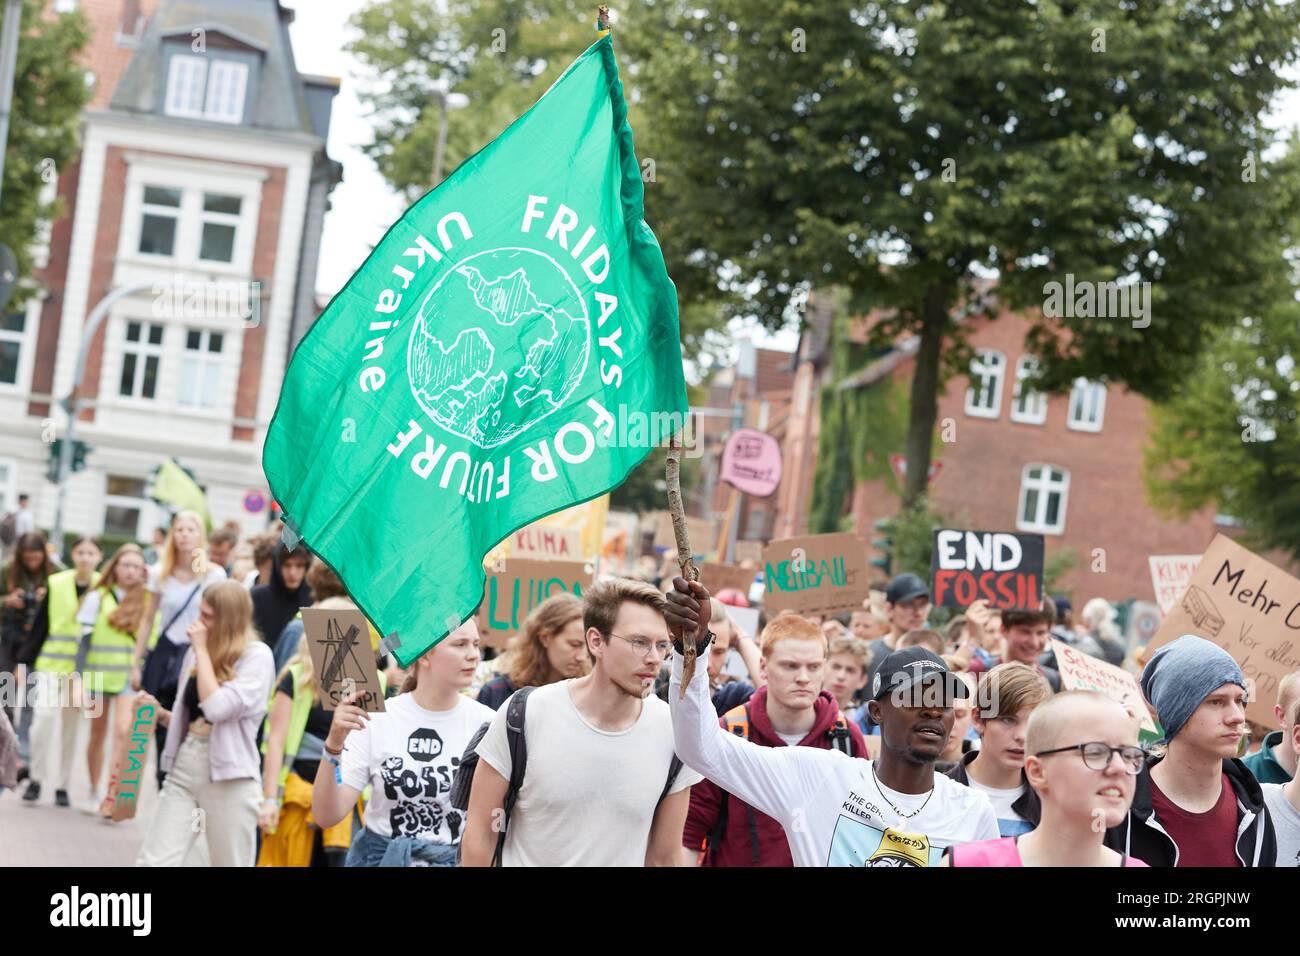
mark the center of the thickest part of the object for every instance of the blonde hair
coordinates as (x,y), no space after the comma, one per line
(1009,688)
(852,646)
(1045,722)
(127,615)
(167,562)
(528,664)
(922,636)
(788,626)
(1288,689)
(232,632)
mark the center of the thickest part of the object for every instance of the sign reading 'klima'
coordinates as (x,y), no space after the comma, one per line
(480,370)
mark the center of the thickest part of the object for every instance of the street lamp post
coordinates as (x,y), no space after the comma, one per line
(448,101)
(72,404)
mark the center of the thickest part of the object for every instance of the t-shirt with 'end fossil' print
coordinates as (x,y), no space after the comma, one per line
(408,755)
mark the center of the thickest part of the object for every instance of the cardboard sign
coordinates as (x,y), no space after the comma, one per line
(1251,609)
(547,544)
(719,577)
(1170,575)
(1080,671)
(342,657)
(132,748)
(751,462)
(1003,568)
(703,534)
(873,745)
(515,586)
(748,551)
(815,574)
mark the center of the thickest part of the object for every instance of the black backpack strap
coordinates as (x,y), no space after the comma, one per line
(518,743)
(841,739)
(674,768)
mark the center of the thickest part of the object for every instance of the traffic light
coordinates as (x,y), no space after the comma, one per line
(79,451)
(884,544)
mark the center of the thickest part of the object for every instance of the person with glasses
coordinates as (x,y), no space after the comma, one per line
(599,788)
(1198,805)
(839,810)
(790,709)
(1083,761)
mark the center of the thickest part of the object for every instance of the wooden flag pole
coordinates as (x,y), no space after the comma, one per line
(676,509)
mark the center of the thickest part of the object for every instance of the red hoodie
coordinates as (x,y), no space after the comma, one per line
(745,825)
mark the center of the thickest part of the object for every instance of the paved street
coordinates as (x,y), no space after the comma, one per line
(46,835)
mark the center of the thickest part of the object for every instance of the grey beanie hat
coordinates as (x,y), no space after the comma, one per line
(1182,674)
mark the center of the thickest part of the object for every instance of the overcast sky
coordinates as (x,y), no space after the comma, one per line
(363,206)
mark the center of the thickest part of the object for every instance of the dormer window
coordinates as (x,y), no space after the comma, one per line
(206,87)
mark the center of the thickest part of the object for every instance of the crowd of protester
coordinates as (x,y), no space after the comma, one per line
(863,738)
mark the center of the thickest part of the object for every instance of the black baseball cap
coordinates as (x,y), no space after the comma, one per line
(905,587)
(911,667)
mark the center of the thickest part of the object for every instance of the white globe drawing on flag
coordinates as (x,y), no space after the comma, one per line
(501,341)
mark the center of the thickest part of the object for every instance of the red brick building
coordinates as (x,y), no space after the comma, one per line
(1067,466)
(201,184)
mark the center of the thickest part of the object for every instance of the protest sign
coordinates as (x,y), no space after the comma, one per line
(132,752)
(749,551)
(1170,575)
(815,574)
(341,655)
(517,585)
(1251,609)
(1003,568)
(545,543)
(1080,671)
(701,532)
(751,462)
(719,577)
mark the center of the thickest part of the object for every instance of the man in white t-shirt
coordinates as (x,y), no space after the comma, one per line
(1283,801)
(839,810)
(599,753)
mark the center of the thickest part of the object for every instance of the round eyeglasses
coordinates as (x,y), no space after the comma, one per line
(1096,755)
(643,646)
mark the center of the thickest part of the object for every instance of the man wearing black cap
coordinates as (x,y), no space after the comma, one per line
(838,810)
(907,599)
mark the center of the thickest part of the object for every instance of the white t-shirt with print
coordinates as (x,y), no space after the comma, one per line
(1010,823)
(408,756)
(172,595)
(833,810)
(589,796)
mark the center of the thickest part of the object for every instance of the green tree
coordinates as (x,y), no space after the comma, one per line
(1231,438)
(50,93)
(501,54)
(908,150)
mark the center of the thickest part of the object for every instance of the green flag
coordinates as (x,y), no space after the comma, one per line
(173,485)
(510,348)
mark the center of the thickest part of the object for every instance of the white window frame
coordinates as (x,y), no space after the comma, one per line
(1083,388)
(1045,485)
(200,364)
(9,485)
(197,69)
(227,87)
(153,209)
(142,349)
(143,504)
(219,85)
(210,179)
(26,340)
(219,219)
(978,372)
(1035,412)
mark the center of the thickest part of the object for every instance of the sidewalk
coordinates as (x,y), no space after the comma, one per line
(47,835)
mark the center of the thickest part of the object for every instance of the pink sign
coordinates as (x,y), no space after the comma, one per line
(752,462)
